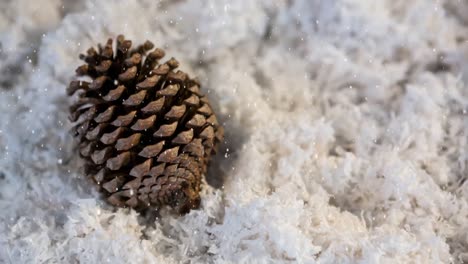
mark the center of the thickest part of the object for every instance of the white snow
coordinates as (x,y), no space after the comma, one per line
(343,143)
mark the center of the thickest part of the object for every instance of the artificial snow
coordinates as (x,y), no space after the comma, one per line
(346,132)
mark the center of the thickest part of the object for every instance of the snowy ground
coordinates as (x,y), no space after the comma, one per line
(346,120)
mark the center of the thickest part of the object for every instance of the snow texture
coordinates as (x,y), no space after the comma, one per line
(346,120)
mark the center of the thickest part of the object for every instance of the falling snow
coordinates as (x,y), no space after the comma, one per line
(346,132)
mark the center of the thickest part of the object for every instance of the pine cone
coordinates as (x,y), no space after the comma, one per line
(145,130)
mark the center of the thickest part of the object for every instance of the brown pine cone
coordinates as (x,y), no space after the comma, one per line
(145,130)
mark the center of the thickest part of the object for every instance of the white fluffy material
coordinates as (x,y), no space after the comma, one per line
(346,121)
